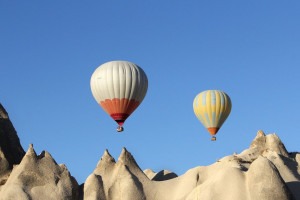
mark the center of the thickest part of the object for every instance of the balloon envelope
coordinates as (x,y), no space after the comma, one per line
(212,107)
(119,87)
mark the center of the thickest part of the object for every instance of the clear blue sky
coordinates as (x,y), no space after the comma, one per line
(249,49)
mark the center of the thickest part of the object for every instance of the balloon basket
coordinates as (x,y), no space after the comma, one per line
(120,129)
(213,138)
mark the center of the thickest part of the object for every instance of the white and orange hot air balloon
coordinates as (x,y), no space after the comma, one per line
(119,87)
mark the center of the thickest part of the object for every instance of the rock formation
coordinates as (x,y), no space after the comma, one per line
(162,175)
(30,176)
(264,171)
(39,177)
(11,151)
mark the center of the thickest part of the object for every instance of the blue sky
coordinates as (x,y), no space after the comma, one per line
(249,49)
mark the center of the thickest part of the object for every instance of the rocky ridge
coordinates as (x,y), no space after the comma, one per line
(264,171)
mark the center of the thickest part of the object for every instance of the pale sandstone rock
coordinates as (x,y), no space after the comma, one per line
(265,171)
(93,188)
(39,177)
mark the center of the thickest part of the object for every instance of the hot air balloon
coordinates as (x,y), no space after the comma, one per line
(212,107)
(119,87)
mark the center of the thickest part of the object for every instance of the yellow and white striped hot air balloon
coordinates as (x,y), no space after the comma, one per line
(212,107)
(119,87)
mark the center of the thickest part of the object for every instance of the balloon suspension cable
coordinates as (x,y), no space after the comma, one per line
(120,129)
(213,138)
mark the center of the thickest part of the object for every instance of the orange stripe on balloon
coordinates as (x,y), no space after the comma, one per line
(132,105)
(107,105)
(213,130)
(122,105)
(119,107)
(115,105)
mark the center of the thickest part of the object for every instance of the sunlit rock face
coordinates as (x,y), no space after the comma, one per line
(264,171)
(39,177)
